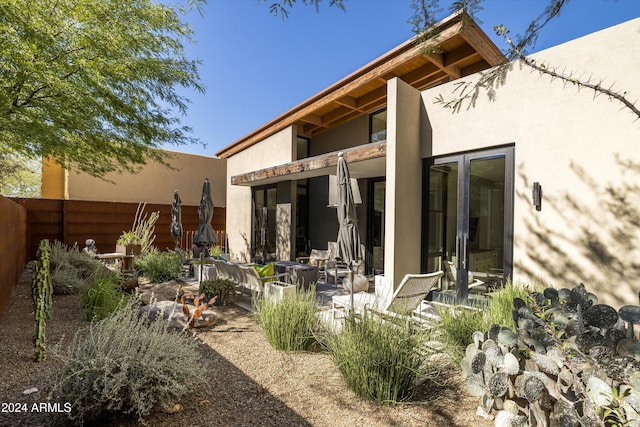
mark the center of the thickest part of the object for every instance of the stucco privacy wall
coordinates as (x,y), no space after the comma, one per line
(275,150)
(154,184)
(404,184)
(584,151)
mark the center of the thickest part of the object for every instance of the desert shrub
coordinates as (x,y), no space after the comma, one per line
(224,289)
(457,325)
(160,266)
(125,364)
(103,296)
(500,306)
(290,323)
(71,269)
(380,360)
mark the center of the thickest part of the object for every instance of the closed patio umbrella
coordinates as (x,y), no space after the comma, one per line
(176,219)
(205,236)
(348,235)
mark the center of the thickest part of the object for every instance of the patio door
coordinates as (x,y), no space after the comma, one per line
(264,224)
(469,222)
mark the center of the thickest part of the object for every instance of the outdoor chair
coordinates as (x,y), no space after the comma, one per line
(318,258)
(336,269)
(452,274)
(248,278)
(412,290)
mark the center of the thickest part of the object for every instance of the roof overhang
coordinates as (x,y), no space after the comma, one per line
(365,161)
(463,49)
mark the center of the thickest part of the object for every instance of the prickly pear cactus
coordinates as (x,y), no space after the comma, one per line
(570,362)
(42,291)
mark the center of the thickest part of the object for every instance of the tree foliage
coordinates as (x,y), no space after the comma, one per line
(93,84)
(19,177)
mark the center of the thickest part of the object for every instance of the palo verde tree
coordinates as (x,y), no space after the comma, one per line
(426,14)
(93,84)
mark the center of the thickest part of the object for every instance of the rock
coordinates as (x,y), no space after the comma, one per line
(172,312)
(166,291)
(30,390)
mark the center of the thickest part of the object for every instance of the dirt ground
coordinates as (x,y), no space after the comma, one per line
(248,382)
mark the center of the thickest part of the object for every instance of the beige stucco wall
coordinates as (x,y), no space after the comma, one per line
(584,151)
(275,150)
(404,184)
(350,134)
(153,184)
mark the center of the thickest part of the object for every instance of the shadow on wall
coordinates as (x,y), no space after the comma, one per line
(283,232)
(596,243)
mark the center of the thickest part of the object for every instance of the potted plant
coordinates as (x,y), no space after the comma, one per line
(140,238)
(128,243)
(279,290)
(224,289)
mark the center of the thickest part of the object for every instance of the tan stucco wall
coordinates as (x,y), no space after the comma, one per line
(350,134)
(404,183)
(584,151)
(277,149)
(54,181)
(153,184)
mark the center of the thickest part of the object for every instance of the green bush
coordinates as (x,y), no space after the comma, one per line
(71,270)
(290,323)
(457,325)
(125,364)
(160,266)
(501,303)
(224,289)
(103,296)
(380,360)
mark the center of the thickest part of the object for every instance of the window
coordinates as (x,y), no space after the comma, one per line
(378,126)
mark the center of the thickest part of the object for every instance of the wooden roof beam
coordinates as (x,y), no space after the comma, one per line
(329,160)
(312,119)
(348,101)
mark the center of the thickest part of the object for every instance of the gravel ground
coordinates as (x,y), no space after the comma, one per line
(249,383)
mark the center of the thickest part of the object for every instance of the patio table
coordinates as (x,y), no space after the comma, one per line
(302,274)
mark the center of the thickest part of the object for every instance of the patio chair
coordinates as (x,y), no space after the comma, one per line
(452,274)
(412,290)
(249,278)
(318,258)
(336,269)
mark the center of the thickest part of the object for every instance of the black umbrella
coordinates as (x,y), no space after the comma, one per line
(205,236)
(176,219)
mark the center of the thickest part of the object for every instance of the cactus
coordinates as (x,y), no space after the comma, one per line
(570,362)
(197,302)
(42,290)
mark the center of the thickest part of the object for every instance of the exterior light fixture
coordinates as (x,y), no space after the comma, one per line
(537,196)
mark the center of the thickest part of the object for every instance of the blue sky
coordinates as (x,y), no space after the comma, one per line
(255,66)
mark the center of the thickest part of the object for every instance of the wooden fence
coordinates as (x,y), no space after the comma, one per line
(13,244)
(74,221)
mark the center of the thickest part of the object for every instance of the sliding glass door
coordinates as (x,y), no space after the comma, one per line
(469,220)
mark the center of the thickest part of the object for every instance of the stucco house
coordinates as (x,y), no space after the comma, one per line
(454,190)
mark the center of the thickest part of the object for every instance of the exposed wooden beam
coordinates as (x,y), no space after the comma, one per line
(312,118)
(343,88)
(348,101)
(357,154)
(489,51)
